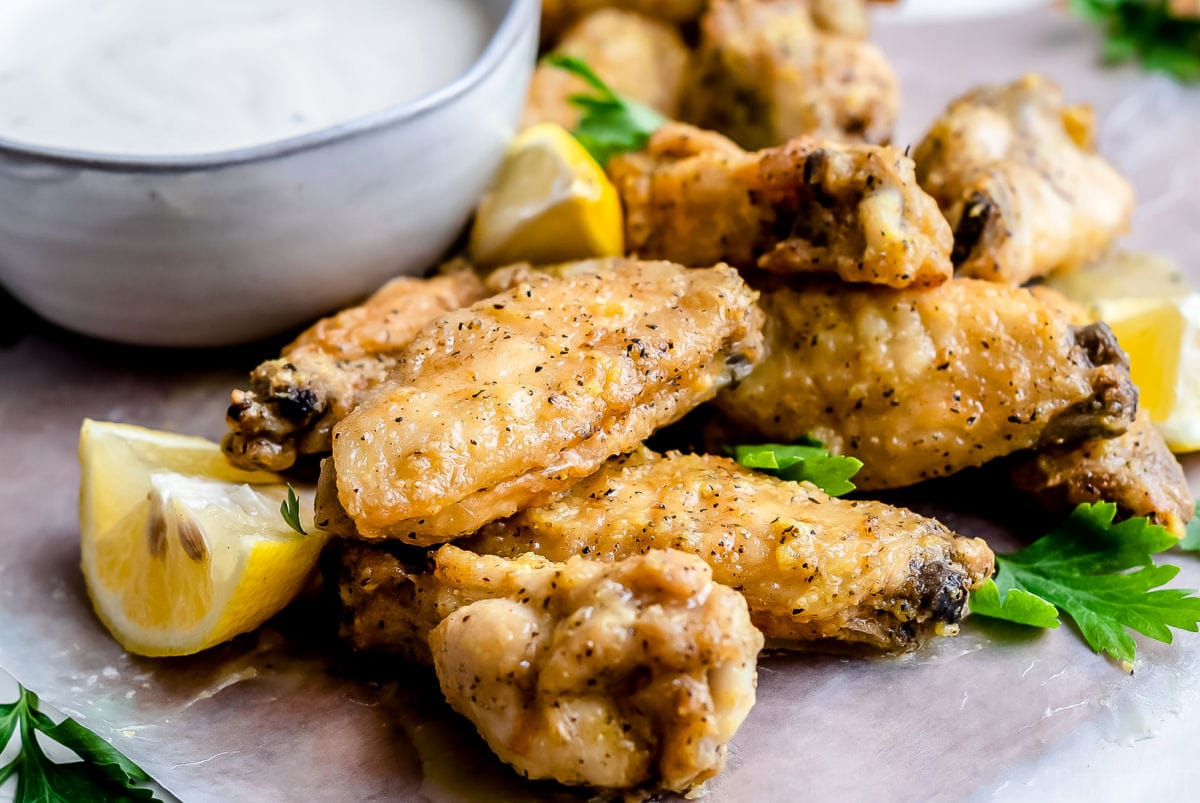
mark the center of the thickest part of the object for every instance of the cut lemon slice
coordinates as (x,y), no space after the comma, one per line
(180,550)
(1122,275)
(1162,338)
(550,203)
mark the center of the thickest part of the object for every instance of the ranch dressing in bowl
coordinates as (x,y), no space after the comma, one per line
(180,77)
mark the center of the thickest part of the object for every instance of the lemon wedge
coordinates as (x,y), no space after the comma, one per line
(180,550)
(551,202)
(1122,275)
(1162,338)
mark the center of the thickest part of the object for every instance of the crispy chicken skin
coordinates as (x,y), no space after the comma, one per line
(812,567)
(1015,170)
(294,401)
(640,57)
(557,15)
(923,383)
(499,406)
(696,198)
(767,72)
(1135,470)
(618,675)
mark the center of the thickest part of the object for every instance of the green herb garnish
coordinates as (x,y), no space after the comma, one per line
(1191,538)
(1082,568)
(103,775)
(290,510)
(807,460)
(1147,31)
(611,123)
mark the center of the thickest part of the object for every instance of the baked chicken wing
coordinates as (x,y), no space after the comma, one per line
(923,383)
(639,57)
(294,401)
(694,197)
(614,675)
(769,70)
(558,14)
(502,404)
(1135,470)
(1015,170)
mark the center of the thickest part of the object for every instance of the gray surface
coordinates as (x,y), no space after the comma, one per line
(990,715)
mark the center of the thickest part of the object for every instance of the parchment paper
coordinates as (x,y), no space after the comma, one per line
(992,714)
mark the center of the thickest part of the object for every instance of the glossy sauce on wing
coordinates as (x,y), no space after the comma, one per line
(153,77)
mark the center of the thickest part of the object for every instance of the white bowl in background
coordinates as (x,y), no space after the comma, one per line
(229,247)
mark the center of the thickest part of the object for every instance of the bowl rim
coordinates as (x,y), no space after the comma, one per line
(518,18)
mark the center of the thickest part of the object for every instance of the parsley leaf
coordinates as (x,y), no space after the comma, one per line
(290,510)
(611,123)
(1146,30)
(103,775)
(1083,567)
(1191,539)
(807,461)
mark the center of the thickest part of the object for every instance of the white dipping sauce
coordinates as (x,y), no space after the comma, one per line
(154,77)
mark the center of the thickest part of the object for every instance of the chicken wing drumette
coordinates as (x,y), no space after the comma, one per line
(696,198)
(614,675)
(1016,172)
(770,70)
(295,400)
(501,405)
(923,383)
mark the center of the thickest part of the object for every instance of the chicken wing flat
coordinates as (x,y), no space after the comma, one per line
(812,567)
(614,675)
(639,57)
(1016,172)
(1135,470)
(500,405)
(295,400)
(767,72)
(694,197)
(923,383)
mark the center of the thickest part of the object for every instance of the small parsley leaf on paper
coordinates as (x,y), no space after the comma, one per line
(610,123)
(1148,31)
(290,510)
(1191,539)
(104,775)
(1100,574)
(805,461)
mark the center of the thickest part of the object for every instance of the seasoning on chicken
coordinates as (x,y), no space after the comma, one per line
(295,400)
(767,71)
(1016,172)
(812,567)
(503,404)
(923,383)
(696,198)
(1135,470)
(623,675)
(639,57)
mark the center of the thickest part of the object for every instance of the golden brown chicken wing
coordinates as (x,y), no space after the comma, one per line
(639,57)
(500,405)
(812,567)
(294,401)
(1016,172)
(767,72)
(616,675)
(558,14)
(1135,470)
(696,198)
(923,383)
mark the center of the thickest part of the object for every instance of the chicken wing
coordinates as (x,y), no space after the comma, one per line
(923,383)
(1135,470)
(696,198)
(295,400)
(639,57)
(558,14)
(1015,170)
(766,72)
(500,405)
(812,567)
(614,675)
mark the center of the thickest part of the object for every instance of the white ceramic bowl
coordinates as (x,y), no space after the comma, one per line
(229,247)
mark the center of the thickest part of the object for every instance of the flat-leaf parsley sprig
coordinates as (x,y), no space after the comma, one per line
(610,123)
(806,461)
(103,775)
(1100,574)
(290,510)
(1149,31)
